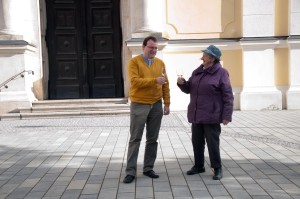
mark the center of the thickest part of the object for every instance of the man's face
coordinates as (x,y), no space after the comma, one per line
(150,49)
(207,60)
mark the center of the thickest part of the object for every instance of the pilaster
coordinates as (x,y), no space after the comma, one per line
(8,20)
(294,24)
(258,18)
(146,18)
(259,91)
(293,94)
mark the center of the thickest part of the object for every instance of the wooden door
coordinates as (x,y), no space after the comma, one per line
(84,49)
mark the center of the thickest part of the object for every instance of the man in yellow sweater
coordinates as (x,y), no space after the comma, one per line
(149,90)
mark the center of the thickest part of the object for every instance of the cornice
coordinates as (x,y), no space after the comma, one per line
(196,45)
(15,47)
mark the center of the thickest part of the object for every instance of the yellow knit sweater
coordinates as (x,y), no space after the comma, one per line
(143,86)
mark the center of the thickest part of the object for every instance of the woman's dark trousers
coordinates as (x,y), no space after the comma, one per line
(211,134)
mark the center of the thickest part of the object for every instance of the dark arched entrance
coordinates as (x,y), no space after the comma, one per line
(84,46)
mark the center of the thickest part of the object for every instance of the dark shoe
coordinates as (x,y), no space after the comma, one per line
(128,179)
(218,174)
(195,170)
(151,174)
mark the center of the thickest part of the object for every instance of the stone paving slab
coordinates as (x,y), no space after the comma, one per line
(84,157)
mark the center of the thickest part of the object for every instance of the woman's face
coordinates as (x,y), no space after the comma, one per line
(207,60)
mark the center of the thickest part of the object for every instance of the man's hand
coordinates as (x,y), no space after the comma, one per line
(166,110)
(161,80)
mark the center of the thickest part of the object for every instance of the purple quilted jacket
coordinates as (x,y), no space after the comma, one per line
(211,97)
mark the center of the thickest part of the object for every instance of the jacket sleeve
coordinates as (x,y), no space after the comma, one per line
(135,79)
(186,87)
(227,96)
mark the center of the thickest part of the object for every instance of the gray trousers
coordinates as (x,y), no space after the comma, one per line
(141,115)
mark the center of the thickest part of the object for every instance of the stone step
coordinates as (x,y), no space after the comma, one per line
(16,116)
(73,108)
(70,108)
(76,102)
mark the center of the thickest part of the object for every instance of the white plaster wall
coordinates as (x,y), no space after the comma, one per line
(258,68)
(258,18)
(261,100)
(293,94)
(13,64)
(259,91)
(187,62)
(295,17)
(19,92)
(258,26)
(10,65)
(295,66)
(22,17)
(258,7)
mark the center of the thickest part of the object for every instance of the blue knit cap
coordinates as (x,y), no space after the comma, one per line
(213,51)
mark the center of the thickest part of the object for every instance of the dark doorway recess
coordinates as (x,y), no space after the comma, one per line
(84,47)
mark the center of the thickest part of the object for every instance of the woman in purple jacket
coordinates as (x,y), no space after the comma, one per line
(211,103)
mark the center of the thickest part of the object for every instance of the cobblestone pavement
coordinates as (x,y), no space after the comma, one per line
(85,158)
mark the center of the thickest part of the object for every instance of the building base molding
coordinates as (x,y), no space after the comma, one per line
(266,100)
(292,99)
(17,66)
(10,101)
(236,94)
(10,36)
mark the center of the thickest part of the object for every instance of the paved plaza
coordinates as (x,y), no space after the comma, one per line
(84,157)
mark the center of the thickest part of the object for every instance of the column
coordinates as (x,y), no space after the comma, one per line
(259,90)
(147,18)
(5,25)
(293,94)
(7,31)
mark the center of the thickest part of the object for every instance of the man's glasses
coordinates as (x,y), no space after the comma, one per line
(152,48)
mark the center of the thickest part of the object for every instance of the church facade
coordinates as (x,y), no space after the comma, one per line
(79,49)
